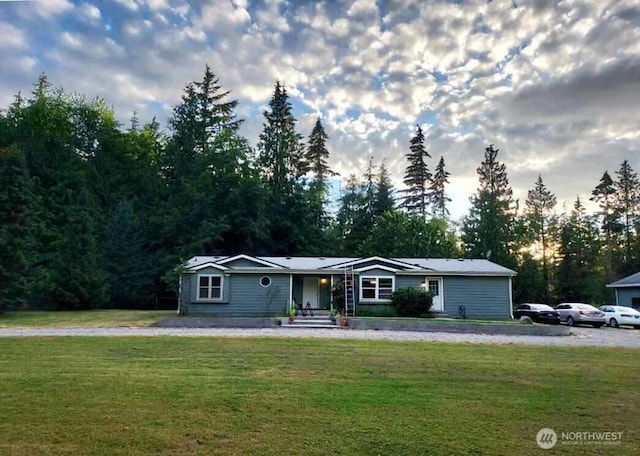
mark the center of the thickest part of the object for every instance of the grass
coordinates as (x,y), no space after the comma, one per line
(88,318)
(173,396)
(446,321)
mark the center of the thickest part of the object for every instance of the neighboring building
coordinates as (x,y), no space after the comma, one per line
(627,291)
(242,285)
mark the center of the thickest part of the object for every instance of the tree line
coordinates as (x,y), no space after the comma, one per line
(94,214)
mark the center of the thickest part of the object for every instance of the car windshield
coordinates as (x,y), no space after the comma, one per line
(540,307)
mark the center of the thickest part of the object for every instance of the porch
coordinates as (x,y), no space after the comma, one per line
(312,291)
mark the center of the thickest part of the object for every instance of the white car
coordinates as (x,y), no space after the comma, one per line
(620,315)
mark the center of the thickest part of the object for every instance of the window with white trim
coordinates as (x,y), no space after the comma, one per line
(376,288)
(209,287)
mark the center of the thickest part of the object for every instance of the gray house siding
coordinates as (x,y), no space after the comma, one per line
(377,272)
(628,296)
(409,281)
(482,297)
(247,296)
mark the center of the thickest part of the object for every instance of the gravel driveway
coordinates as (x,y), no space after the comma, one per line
(603,337)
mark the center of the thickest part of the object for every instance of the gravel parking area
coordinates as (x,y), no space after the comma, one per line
(603,337)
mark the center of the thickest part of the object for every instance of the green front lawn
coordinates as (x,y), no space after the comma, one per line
(88,318)
(138,396)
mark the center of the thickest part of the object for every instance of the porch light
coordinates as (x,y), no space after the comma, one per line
(324,281)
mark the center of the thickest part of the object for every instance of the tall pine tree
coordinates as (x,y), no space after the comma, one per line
(437,192)
(627,205)
(417,177)
(539,217)
(487,230)
(603,194)
(579,273)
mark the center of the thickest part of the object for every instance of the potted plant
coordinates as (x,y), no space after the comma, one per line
(292,314)
(332,316)
(343,320)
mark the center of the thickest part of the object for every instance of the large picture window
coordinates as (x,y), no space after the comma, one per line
(376,288)
(209,287)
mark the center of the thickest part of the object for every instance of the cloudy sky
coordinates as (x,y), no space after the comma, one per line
(555,85)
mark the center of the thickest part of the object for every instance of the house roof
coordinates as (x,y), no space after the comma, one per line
(327,264)
(630,281)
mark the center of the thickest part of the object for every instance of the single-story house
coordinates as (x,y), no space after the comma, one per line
(244,285)
(627,291)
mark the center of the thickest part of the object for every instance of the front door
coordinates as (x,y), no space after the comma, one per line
(435,287)
(310,292)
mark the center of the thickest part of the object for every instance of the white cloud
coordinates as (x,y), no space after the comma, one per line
(53,7)
(90,12)
(12,37)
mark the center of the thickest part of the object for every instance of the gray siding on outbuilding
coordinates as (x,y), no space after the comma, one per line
(482,297)
(243,295)
(626,295)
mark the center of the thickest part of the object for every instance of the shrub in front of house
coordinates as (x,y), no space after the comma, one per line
(410,302)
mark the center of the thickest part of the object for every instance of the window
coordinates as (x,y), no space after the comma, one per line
(434,287)
(209,287)
(376,288)
(265,281)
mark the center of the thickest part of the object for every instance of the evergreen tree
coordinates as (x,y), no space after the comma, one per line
(126,260)
(281,152)
(320,227)
(383,200)
(580,277)
(417,176)
(437,193)
(539,216)
(603,194)
(317,156)
(627,205)
(16,226)
(487,230)
(54,131)
(202,116)
(206,165)
(397,234)
(282,160)
(350,214)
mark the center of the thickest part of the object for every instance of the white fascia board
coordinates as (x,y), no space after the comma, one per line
(373,258)
(250,258)
(630,285)
(206,265)
(431,272)
(376,266)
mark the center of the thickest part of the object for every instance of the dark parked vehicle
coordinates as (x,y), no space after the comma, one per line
(540,313)
(580,313)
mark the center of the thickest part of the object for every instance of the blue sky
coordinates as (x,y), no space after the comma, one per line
(554,85)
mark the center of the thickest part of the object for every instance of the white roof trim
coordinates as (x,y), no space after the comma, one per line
(250,258)
(373,258)
(376,266)
(626,285)
(207,265)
